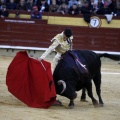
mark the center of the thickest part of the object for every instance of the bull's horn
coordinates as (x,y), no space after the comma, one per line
(64,85)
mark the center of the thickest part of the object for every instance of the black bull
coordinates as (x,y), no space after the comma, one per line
(68,79)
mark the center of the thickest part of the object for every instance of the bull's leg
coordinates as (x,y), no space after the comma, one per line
(71,104)
(97,82)
(90,94)
(83,96)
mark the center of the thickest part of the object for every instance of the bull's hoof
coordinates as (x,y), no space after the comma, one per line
(71,107)
(101,105)
(83,100)
(95,103)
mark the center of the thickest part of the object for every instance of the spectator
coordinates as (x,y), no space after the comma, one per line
(118,8)
(95,7)
(59,2)
(100,6)
(106,3)
(63,9)
(48,2)
(11,5)
(71,2)
(4,12)
(30,5)
(53,7)
(21,5)
(80,4)
(2,2)
(106,7)
(73,10)
(118,4)
(113,6)
(35,13)
(17,1)
(85,10)
(43,6)
(91,2)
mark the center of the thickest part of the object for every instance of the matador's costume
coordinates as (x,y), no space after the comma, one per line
(60,45)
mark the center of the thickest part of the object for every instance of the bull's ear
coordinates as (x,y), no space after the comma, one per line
(64,85)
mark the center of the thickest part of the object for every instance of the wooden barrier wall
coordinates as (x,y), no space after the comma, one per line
(37,33)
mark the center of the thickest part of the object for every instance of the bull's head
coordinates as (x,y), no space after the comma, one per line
(67,90)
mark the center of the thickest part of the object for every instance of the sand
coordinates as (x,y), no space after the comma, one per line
(13,109)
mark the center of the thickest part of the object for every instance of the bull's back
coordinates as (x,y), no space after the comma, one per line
(91,60)
(66,65)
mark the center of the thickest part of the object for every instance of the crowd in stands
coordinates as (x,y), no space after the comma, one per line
(72,7)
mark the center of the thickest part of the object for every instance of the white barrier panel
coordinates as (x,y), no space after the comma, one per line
(110,73)
(43,49)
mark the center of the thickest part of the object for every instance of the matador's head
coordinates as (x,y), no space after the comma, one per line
(68,34)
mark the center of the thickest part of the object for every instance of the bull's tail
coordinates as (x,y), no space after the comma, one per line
(113,57)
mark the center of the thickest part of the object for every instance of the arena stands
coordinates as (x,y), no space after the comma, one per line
(19,30)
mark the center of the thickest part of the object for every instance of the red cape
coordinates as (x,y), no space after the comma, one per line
(28,81)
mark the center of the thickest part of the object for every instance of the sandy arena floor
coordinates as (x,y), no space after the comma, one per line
(13,109)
